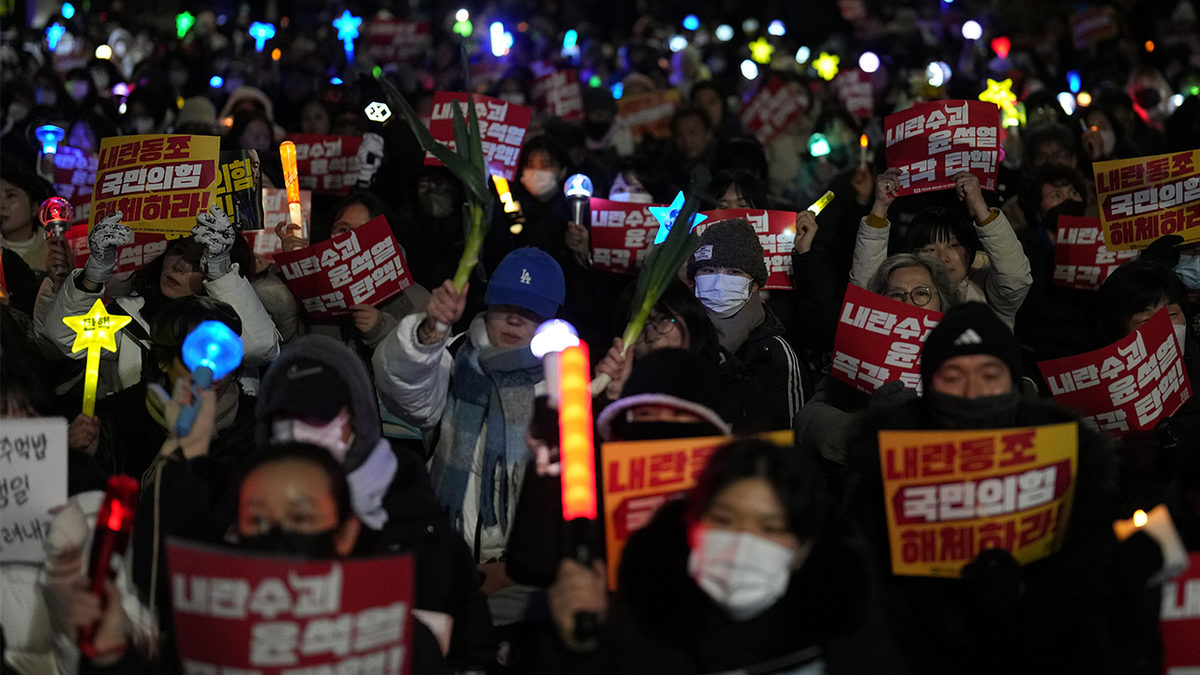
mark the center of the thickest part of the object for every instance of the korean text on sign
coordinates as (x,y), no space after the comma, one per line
(283,615)
(33,479)
(776,232)
(328,165)
(649,114)
(1142,199)
(265,242)
(879,340)
(559,94)
(362,267)
(74,179)
(951,494)
(640,476)
(1180,620)
(145,248)
(159,183)
(622,234)
(392,40)
(1126,386)
(855,92)
(1080,257)
(931,142)
(502,127)
(237,191)
(774,108)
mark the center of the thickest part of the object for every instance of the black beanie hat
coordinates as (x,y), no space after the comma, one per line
(674,377)
(969,329)
(730,243)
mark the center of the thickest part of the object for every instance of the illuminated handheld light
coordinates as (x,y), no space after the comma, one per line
(54,35)
(276,54)
(1001,46)
(821,203)
(511,206)
(114,524)
(750,25)
(184,23)
(575,442)
(749,69)
(462,15)
(1177,100)
(335,80)
(56,215)
(570,48)
(666,215)
(1074,83)
(827,66)
(104,52)
(377,71)
(595,81)
(211,351)
(261,32)
(378,111)
(724,32)
(761,50)
(868,62)
(50,136)
(68,11)
(1067,102)
(777,28)
(971,30)
(1001,94)
(617,90)
(1150,46)
(94,331)
(803,55)
(552,337)
(501,39)
(863,142)
(818,145)
(291,181)
(347,31)
(578,189)
(1139,518)
(691,22)
(216,81)
(937,74)
(463,27)
(1084,99)
(677,43)
(120,89)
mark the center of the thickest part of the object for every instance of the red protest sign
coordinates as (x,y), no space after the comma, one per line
(361,267)
(1144,198)
(622,233)
(1080,258)
(931,142)
(250,613)
(392,40)
(265,242)
(772,110)
(879,340)
(145,248)
(1126,386)
(328,165)
(1179,620)
(502,127)
(649,114)
(558,93)
(74,179)
(855,93)
(776,231)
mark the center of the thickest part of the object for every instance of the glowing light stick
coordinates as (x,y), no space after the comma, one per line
(291,179)
(862,149)
(54,35)
(261,32)
(378,111)
(56,215)
(49,136)
(114,524)
(511,206)
(820,204)
(94,331)
(184,23)
(347,27)
(579,195)
(211,351)
(551,338)
(667,215)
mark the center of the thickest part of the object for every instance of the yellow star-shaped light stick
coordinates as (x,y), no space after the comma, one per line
(1001,94)
(827,65)
(761,50)
(94,331)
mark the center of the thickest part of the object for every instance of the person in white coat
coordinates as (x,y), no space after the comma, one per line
(199,264)
(1002,283)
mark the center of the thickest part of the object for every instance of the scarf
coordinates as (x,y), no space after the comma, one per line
(370,482)
(489,387)
(732,331)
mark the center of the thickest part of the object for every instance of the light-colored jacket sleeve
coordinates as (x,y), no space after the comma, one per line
(870,250)
(413,379)
(260,339)
(70,301)
(1008,276)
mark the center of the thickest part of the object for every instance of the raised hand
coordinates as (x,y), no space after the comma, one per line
(103,241)
(215,231)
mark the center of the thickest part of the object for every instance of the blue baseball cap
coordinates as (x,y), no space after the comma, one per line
(529,278)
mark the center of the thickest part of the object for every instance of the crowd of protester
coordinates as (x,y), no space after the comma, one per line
(778,560)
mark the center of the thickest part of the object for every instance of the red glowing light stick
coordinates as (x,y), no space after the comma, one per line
(114,524)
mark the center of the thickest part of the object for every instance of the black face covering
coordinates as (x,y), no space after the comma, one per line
(657,431)
(596,130)
(986,412)
(277,540)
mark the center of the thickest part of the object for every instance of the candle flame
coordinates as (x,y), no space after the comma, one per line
(1139,518)
(862,141)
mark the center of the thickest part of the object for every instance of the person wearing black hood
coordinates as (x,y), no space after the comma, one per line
(1081,609)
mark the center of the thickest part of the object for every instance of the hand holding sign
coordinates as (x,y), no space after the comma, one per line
(887,185)
(577,589)
(966,186)
(103,241)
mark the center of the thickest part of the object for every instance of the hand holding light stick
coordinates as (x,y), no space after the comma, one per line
(94,331)
(211,351)
(114,524)
(291,180)
(862,149)
(56,215)
(820,204)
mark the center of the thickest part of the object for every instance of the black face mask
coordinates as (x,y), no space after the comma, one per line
(1067,208)
(316,546)
(985,412)
(596,130)
(657,431)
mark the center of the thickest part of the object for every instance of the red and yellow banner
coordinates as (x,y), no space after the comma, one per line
(159,182)
(952,494)
(1145,198)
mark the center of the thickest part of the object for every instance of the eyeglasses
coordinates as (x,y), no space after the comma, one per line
(920,296)
(661,325)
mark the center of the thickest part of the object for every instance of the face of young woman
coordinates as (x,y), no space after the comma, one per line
(294,496)
(750,505)
(16,212)
(181,273)
(953,254)
(660,331)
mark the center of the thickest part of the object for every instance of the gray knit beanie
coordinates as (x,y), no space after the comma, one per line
(730,243)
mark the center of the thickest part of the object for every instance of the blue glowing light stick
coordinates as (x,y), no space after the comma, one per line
(211,351)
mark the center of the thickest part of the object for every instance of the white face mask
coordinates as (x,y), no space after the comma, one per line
(330,436)
(742,573)
(722,294)
(1108,138)
(539,182)
(632,197)
(1180,336)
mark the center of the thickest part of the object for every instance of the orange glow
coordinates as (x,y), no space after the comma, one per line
(1140,518)
(276,54)
(576,445)
(862,141)
(1150,45)
(291,175)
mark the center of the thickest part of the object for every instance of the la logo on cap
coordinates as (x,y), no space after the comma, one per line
(968,337)
(525,278)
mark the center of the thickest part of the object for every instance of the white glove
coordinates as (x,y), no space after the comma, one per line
(370,157)
(103,241)
(216,232)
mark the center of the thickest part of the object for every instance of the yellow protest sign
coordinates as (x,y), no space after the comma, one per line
(159,182)
(952,494)
(1145,198)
